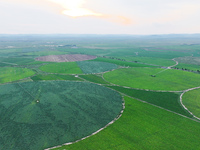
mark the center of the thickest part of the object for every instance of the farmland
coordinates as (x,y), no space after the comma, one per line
(62,67)
(9,74)
(126,97)
(149,60)
(165,79)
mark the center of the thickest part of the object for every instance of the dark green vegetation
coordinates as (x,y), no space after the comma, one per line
(154,78)
(95,67)
(138,62)
(143,126)
(167,100)
(191,100)
(38,115)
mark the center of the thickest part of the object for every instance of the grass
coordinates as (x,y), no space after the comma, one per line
(168,80)
(143,126)
(63,67)
(9,74)
(167,100)
(191,100)
(38,115)
(150,60)
(95,67)
(55,77)
(94,78)
(120,63)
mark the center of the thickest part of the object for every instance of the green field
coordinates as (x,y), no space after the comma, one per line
(9,74)
(191,100)
(55,77)
(63,67)
(168,80)
(166,100)
(94,78)
(95,67)
(143,126)
(150,60)
(121,63)
(38,115)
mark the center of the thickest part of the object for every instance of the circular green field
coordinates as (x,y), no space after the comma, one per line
(39,115)
(9,74)
(191,100)
(165,79)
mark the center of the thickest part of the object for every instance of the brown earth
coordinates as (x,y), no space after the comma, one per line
(65,58)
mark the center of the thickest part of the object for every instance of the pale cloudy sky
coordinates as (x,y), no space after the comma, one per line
(99,16)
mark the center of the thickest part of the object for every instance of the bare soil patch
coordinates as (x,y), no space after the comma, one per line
(65,58)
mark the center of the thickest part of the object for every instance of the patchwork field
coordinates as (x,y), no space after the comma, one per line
(191,100)
(45,104)
(165,79)
(39,115)
(81,67)
(9,74)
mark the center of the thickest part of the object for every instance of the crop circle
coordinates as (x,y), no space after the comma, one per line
(46,114)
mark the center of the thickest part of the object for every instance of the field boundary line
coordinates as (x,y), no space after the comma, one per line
(181,101)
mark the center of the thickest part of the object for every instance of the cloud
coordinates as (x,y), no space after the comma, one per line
(76,9)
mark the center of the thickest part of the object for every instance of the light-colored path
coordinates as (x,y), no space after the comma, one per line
(175,64)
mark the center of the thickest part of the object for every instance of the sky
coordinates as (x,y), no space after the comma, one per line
(141,17)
